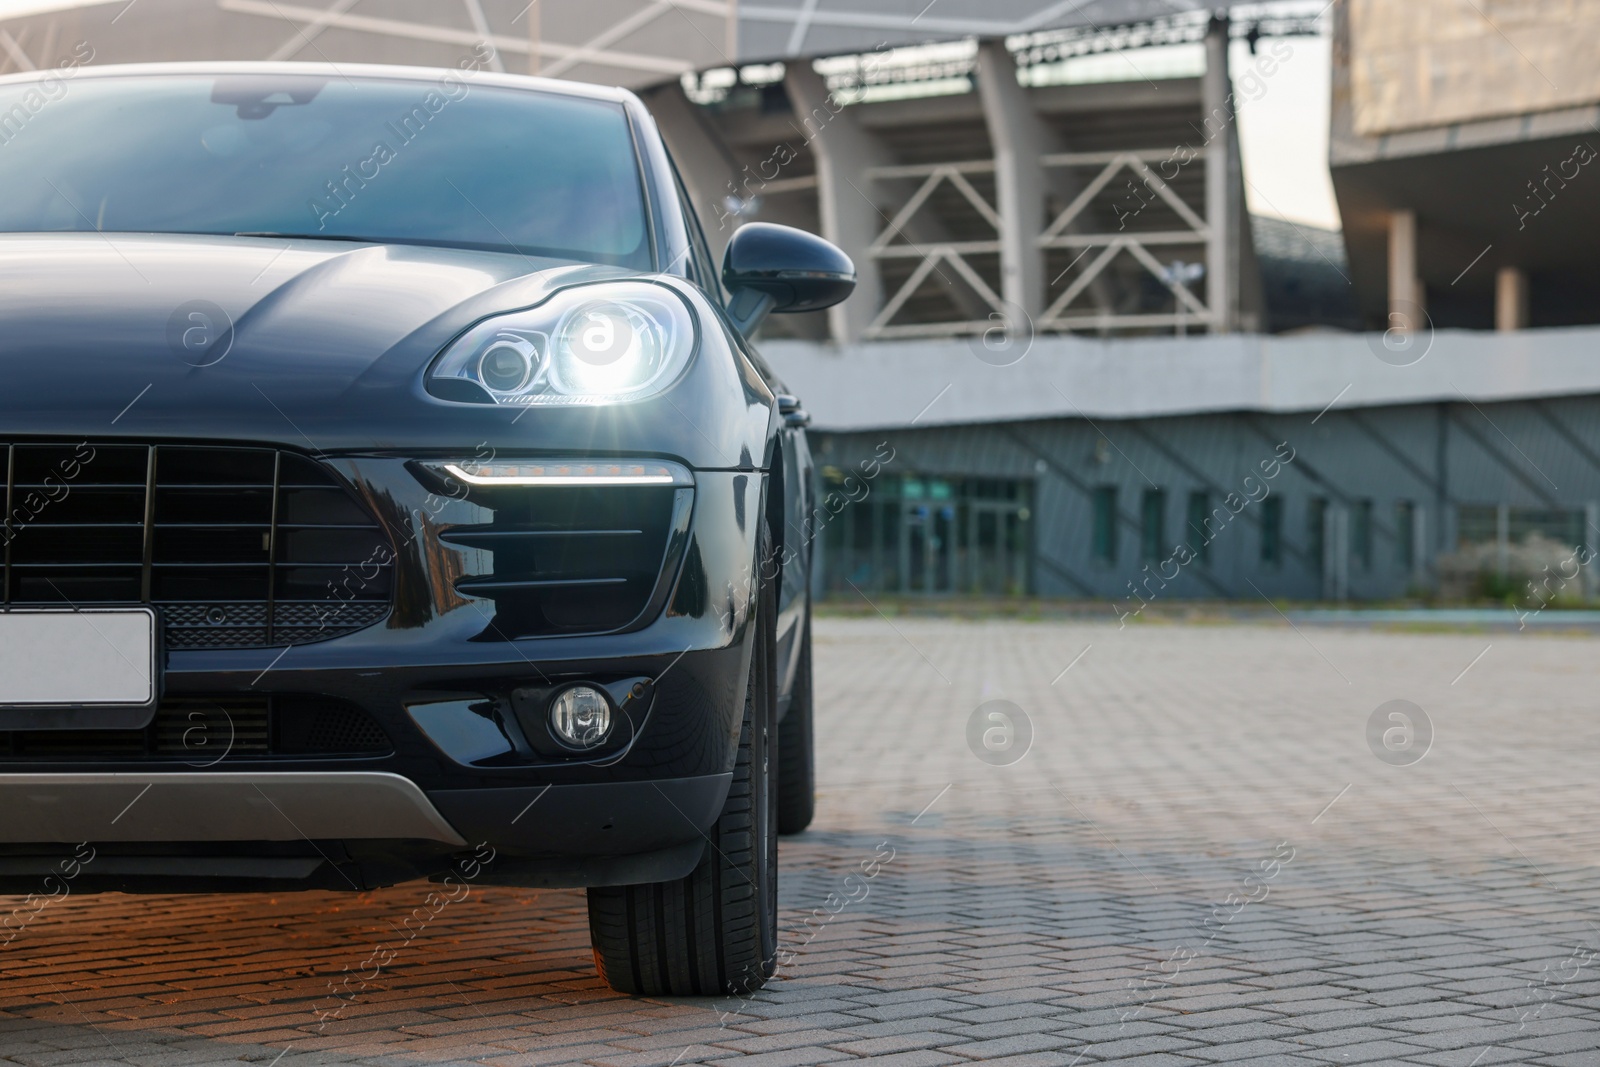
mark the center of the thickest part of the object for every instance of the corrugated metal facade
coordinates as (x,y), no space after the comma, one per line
(1357,478)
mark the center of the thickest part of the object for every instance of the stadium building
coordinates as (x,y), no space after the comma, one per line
(1075,365)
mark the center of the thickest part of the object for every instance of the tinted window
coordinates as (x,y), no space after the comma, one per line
(445,162)
(1153,531)
(1103,542)
(1272,531)
(1316,525)
(1361,533)
(700,252)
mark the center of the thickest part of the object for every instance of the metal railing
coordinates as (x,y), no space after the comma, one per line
(1075,227)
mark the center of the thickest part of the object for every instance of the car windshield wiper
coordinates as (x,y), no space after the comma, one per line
(558,254)
(311,236)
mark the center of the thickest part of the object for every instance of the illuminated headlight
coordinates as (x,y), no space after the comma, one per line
(593,344)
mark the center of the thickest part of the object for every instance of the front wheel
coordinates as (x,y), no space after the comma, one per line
(714,931)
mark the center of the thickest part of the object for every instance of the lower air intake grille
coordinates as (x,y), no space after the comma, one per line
(567,560)
(243,625)
(203,732)
(237,547)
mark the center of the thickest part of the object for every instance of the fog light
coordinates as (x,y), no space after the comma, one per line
(581,716)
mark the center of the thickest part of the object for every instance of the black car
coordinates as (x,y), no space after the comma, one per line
(392,492)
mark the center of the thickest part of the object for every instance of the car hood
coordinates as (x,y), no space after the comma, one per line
(322,347)
(88,321)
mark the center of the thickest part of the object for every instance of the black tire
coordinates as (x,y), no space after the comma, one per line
(797,776)
(715,931)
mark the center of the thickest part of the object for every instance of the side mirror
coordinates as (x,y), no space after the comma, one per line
(778,268)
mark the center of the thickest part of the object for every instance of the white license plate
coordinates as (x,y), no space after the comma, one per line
(92,658)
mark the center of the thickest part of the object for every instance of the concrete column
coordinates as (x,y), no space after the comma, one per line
(1223,181)
(1020,137)
(850,219)
(1405,283)
(1019,140)
(534,35)
(1510,299)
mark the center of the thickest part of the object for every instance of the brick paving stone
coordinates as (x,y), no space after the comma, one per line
(1035,914)
(1350,1035)
(1243,1032)
(736,1042)
(1016,1010)
(795,1057)
(1576,1041)
(917,1058)
(1364,1052)
(1008,1027)
(1480,1057)
(1015,1045)
(1120,1049)
(1236,1050)
(881,1046)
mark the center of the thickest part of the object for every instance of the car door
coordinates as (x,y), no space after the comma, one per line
(799,477)
(793,476)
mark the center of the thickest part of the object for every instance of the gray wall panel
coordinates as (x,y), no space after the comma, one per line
(1385,455)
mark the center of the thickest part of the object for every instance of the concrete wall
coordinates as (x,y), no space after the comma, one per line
(884,384)
(1438,62)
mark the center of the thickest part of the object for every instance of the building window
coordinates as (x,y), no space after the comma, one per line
(1361,533)
(918,533)
(1316,525)
(1405,534)
(1195,525)
(1153,527)
(1272,531)
(1482,524)
(1105,524)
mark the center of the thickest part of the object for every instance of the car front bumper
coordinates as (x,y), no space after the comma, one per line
(439,678)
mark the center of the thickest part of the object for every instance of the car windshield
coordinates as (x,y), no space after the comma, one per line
(444,162)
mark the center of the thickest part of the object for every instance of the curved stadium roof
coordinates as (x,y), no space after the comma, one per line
(628,42)
(772,29)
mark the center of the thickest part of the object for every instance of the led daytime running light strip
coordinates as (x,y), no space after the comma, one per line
(626,472)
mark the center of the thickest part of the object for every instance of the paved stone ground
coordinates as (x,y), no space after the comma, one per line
(1200,860)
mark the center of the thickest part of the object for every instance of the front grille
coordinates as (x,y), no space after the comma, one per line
(204,732)
(237,547)
(572,559)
